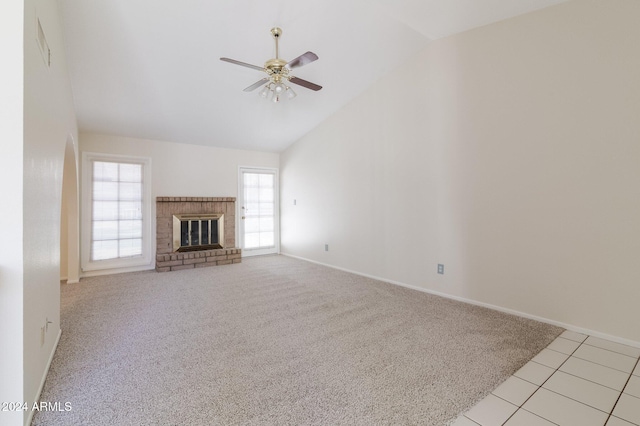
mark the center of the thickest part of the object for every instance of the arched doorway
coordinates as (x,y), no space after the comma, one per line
(69,223)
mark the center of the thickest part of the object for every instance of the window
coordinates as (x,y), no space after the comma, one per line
(116,212)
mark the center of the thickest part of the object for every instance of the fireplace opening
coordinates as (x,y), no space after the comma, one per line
(193,232)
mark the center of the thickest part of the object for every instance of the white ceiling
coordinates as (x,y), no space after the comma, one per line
(151,69)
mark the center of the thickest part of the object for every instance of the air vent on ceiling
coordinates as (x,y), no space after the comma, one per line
(43,45)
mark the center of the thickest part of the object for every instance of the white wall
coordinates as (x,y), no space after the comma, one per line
(183,170)
(509,153)
(38,117)
(11,166)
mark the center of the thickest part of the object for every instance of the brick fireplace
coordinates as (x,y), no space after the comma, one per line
(168,208)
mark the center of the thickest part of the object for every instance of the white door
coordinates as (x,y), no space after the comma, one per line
(258,211)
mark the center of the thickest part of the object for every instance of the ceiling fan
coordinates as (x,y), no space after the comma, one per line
(278,72)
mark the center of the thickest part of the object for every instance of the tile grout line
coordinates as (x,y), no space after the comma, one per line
(622,391)
(609,350)
(555,370)
(538,415)
(471,420)
(580,402)
(597,363)
(598,347)
(539,386)
(583,378)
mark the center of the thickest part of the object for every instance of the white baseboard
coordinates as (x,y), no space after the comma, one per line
(99,272)
(571,327)
(44,378)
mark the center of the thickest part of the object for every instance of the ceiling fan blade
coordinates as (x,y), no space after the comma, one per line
(244,64)
(257,84)
(304,59)
(305,83)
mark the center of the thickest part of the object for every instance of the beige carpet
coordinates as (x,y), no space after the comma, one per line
(275,341)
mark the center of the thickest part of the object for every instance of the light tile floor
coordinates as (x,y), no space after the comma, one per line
(578,380)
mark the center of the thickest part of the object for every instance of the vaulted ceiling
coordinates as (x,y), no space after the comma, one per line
(151,69)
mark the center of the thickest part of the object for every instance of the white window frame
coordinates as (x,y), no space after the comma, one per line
(94,267)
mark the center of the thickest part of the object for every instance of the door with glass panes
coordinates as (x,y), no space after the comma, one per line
(258,208)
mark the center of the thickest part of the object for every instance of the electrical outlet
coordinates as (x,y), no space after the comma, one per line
(441,268)
(326,247)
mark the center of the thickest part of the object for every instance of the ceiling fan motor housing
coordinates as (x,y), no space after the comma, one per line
(276,67)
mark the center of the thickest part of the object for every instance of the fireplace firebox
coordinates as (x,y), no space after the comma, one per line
(193,232)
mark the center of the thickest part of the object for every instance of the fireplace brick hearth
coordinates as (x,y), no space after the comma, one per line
(167,207)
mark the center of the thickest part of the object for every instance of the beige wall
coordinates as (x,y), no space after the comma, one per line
(183,169)
(69,219)
(509,153)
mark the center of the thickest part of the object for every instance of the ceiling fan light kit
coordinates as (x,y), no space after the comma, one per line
(277,92)
(278,73)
